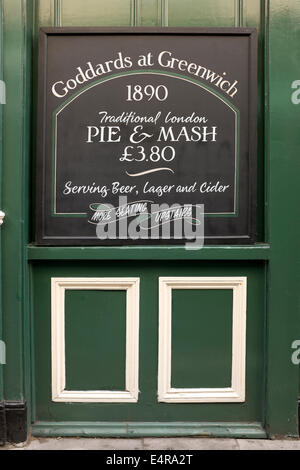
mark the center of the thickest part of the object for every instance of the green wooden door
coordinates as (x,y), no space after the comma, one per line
(170,368)
(156,341)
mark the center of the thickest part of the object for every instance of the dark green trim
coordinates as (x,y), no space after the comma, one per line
(13,198)
(15,188)
(256,252)
(146,429)
(283,319)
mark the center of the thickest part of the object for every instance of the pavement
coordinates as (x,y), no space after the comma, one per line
(73,443)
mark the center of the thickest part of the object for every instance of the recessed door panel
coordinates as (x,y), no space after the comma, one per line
(208,362)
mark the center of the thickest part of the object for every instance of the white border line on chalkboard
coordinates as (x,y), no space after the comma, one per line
(146,73)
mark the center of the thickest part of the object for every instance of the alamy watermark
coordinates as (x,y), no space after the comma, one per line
(295,96)
(2,92)
(2,352)
(296,354)
(145,220)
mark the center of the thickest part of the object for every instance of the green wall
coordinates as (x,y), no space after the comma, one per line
(275,257)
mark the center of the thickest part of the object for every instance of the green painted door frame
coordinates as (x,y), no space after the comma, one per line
(16,40)
(279,143)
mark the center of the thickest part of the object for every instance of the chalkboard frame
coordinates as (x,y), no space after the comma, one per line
(250,237)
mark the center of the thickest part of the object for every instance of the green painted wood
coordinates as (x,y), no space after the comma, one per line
(147,429)
(202,13)
(16,69)
(149,12)
(201,337)
(278,164)
(95,335)
(283,56)
(26,197)
(44,10)
(147,408)
(84,13)
(255,252)
(15,154)
(90,13)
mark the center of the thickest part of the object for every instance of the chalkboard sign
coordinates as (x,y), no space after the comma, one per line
(136,122)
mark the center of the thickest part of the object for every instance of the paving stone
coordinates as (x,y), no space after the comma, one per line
(185,443)
(264,444)
(182,443)
(85,444)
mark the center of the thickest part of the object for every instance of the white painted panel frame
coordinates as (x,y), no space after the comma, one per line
(235,393)
(58,289)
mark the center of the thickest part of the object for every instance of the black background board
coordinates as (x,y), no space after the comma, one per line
(218,151)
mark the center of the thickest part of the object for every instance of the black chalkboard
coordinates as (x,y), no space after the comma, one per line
(154,116)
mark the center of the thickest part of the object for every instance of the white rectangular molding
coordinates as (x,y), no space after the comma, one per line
(58,288)
(235,393)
